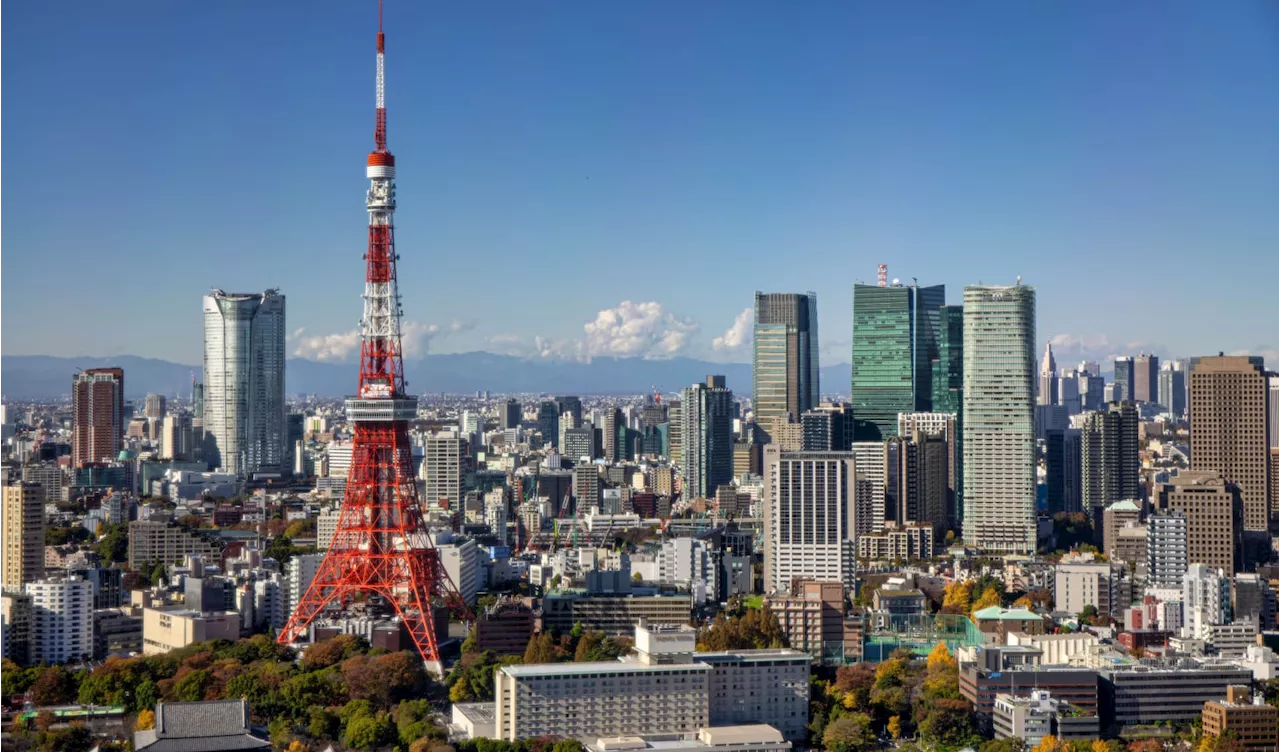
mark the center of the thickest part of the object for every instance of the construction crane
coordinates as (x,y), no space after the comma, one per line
(555,533)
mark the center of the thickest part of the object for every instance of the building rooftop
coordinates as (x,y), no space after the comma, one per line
(479,713)
(1006,614)
(1125,505)
(595,667)
(216,726)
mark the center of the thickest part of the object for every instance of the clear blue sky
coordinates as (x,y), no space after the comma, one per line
(559,158)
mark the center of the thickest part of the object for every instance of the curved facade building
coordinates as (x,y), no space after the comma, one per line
(244,361)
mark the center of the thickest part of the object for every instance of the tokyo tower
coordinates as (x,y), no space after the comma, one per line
(381,547)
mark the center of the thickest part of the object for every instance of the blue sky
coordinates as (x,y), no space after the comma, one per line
(558,159)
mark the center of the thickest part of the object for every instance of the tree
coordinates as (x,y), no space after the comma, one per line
(850,733)
(146,720)
(158,574)
(1088,613)
(368,731)
(940,658)
(541,649)
(1051,743)
(1024,602)
(44,720)
(956,597)
(55,686)
(948,723)
(1013,744)
(113,546)
(894,726)
(990,597)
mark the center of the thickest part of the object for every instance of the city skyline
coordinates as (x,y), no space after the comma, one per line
(895,167)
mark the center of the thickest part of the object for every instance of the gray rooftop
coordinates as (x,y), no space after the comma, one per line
(216,726)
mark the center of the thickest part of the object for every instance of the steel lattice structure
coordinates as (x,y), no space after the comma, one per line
(381,546)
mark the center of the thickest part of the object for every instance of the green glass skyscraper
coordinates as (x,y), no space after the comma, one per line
(896,329)
(784,356)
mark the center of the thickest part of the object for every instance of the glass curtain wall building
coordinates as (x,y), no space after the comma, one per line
(784,365)
(244,362)
(895,341)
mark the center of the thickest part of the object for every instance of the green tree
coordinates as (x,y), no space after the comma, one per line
(949,723)
(850,733)
(192,687)
(1088,613)
(322,724)
(368,731)
(54,686)
(113,546)
(1003,745)
(159,574)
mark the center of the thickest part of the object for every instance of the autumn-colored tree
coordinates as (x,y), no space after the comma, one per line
(1145,745)
(146,720)
(1051,743)
(990,597)
(541,649)
(1024,602)
(956,597)
(54,686)
(44,720)
(895,726)
(940,658)
(850,733)
(1099,746)
(297,745)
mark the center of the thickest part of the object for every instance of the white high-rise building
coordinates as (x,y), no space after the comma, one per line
(871,460)
(442,469)
(689,564)
(244,362)
(495,513)
(1047,393)
(339,455)
(299,573)
(810,517)
(1206,600)
(175,437)
(61,620)
(999,418)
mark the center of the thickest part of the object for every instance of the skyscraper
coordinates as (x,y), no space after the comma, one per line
(784,361)
(1229,429)
(1047,393)
(549,422)
(97,415)
(999,429)
(946,425)
(1124,380)
(895,341)
(707,437)
(809,517)
(511,411)
(1108,457)
(244,362)
(175,439)
(23,534)
(1146,370)
(1172,389)
(948,367)
(154,406)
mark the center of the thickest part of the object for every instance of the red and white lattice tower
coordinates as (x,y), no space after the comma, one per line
(882,275)
(381,546)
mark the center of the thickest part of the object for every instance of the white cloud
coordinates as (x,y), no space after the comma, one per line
(415,341)
(738,335)
(629,330)
(457,326)
(1069,349)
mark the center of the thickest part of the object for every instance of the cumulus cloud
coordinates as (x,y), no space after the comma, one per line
(415,341)
(457,326)
(738,335)
(629,330)
(1071,348)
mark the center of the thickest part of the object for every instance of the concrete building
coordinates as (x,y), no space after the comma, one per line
(980,684)
(1206,599)
(999,429)
(706,437)
(1123,384)
(809,518)
(327,526)
(1172,393)
(1253,599)
(1228,407)
(611,613)
(1037,715)
(299,573)
(1146,383)
(505,627)
(909,542)
(946,425)
(163,543)
(176,442)
(1212,508)
(97,415)
(922,493)
(1047,384)
(166,629)
(813,616)
(755,737)
(461,560)
(1252,721)
(1108,458)
(444,468)
(244,365)
(15,627)
(22,555)
(784,362)
(1117,515)
(1135,694)
(49,477)
(1077,585)
(666,688)
(1166,548)
(875,467)
(61,620)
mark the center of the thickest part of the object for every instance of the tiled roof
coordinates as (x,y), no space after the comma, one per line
(216,726)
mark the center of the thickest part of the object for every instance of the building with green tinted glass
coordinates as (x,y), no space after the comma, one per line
(895,341)
(784,363)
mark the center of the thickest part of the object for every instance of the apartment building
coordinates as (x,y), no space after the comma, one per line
(152,543)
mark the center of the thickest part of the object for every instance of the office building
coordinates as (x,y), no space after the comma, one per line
(1062,471)
(1252,599)
(809,518)
(784,362)
(829,427)
(152,543)
(609,433)
(612,613)
(1212,509)
(97,415)
(1228,407)
(444,469)
(1069,393)
(61,620)
(1206,600)
(1037,715)
(1047,387)
(947,425)
(49,477)
(1273,440)
(1166,548)
(1146,379)
(1123,380)
(168,629)
(505,627)
(244,365)
(1134,694)
(999,430)
(23,535)
(511,413)
(154,407)
(1077,585)
(175,437)
(1172,389)
(15,627)
(980,684)
(675,432)
(895,341)
(706,437)
(549,422)
(1108,457)
(1091,388)
(572,406)
(1119,515)
(299,573)
(1251,721)
(948,366)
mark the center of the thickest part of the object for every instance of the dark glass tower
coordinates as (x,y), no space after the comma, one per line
(895,340)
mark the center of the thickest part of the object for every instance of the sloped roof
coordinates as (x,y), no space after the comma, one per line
(215,726)
(1006,614)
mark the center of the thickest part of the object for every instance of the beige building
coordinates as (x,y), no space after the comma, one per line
(154,543)
(1228,408)
(23,535)
(1114,517)
(1254,723)
(165,629)
(1212,509)
(813,617)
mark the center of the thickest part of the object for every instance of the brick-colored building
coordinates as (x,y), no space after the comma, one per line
(814,616)
(505,627)
(1254,725)
(97,415)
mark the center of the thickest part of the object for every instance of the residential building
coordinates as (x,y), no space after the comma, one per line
(924,462)
(1142,694)
(1206,599)
(947,425)
(444,468)
(152,543)
(809,518)
(213,724)
(1037,715)
(22,557)
(812,614)
(906,542)
(896,330)
(707,437)
(97,415)
(244,366)
(1252,721)
(999,430)
(61,620)
(49,477)
(166,629)
(876,484)
(1077,585)
(461,560)
(1212,509)
(1118,515)
(299,572)
(1131,545)
(1108,458)
(1228,407)
(15,627)
(327,526)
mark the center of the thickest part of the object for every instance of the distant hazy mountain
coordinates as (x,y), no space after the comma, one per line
(33,376)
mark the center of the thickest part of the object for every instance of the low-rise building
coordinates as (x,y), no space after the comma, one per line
(221,725)
(980,684)
(1252,721)
(165,629)
(749,738)
(1141,694)
(612,614)
(899,601)
(1037,715)
(1000,622)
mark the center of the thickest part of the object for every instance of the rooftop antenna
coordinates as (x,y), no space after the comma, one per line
(882,276)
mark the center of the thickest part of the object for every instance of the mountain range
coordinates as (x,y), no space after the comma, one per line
(43,376)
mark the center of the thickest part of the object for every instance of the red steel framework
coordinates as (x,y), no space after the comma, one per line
(381,546)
